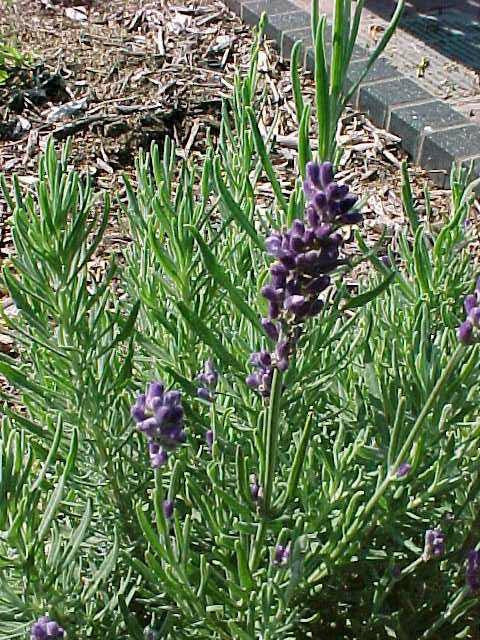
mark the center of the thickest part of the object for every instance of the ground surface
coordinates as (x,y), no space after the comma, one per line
(438,43)
(117,75)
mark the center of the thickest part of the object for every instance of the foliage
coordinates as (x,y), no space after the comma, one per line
(300,514)
(10,57)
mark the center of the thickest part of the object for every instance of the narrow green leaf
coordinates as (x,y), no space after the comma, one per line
(104,571)
(368,296)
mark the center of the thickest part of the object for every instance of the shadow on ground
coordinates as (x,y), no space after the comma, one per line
(449,26)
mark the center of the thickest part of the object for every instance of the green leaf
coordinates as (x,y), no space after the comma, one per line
(133,628)
(207,336)
(234,208)
(362,299)
(266,162)
(220,275)
(104,571)
(78,536)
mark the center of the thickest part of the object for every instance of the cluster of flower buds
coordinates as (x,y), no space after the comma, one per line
(305,255)
(159,416)
(469,330)
(208,379)
(434,544)
(45,628)
(281,555)
(473,570)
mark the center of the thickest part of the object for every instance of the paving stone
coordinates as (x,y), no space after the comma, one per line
(290,37)
(441,148)
(358,53)
(381,70)
(251,11)
(376,100)
(411,123)
(278,25)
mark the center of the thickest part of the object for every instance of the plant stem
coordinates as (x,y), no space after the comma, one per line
(271,440)
(391,474)
(448,614)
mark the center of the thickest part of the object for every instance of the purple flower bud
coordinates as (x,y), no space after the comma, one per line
(474,317)
(270,329)
(46,629)
(273,245)
(167,508)
(172,398)
(465,332)
(52,628)
(472,574)
(157,460)
(254,488)
(296,244)
(148,427)
(319,201)
(295,304)
(298,228)
(403,470)
(326,174)
(38,631)
(281,555)
(209,437)
(153,447)
(288,259)
(270,293)
(273,310)
(253,380)
(283,349)
(293,287)
(204,394)
(278,275)
(318,285)
(313,217)
(470,302)
(313,173)
(351,218)
(434,544)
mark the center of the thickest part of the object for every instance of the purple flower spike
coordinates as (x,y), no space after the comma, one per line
(403,470)
(281,555)
(472,574)
(434,544)
(304,255)
(167,508)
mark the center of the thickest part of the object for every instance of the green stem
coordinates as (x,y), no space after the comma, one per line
(271,440)
(391,474)
(448,614)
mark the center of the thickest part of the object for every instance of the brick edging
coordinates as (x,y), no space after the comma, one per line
(432,132)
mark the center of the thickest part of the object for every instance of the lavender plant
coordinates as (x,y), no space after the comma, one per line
(153,485)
